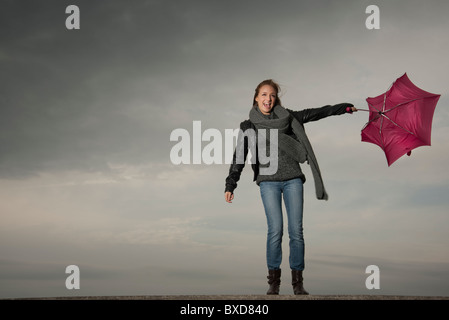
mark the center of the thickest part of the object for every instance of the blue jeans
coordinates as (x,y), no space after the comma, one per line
(271,193)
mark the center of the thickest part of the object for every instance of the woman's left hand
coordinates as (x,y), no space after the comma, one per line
(351,109)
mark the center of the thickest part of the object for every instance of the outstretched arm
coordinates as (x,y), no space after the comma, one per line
(315,114)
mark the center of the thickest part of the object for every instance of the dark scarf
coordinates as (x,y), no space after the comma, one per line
(299,149)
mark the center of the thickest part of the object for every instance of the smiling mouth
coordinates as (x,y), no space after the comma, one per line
(267,105)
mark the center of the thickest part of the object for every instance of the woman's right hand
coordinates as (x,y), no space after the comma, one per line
(229,196)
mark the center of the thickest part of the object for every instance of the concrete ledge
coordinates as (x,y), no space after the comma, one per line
(242,297)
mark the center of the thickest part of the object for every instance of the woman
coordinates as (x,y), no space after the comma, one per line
(293,148)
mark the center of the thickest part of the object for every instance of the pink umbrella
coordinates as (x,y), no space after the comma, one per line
(400,119)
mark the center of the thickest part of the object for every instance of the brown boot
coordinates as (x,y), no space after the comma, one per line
(297,282)
(274,280)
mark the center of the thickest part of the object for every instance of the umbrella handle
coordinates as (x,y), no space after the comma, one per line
(349,110)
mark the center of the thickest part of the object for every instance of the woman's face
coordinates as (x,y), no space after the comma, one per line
(266,99)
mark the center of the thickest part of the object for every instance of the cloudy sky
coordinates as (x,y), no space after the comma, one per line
(85,122)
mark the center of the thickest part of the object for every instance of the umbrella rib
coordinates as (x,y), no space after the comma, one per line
(381,123)
(399,125)
(373,119)
(383,106)
(380,132)
(402,103)
(377,117)
(373,107)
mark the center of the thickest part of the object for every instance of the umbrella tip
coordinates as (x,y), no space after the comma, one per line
(409,153)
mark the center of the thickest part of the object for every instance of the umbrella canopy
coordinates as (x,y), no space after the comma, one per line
(400,119)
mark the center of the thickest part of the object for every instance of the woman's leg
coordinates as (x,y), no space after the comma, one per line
(271,193)
(293,199)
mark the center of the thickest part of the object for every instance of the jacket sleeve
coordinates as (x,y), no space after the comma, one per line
(315,114)
(236,168)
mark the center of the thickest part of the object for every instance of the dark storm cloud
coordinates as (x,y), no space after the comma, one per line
(113,91)
(67,96)
(61,90)
(81,99)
